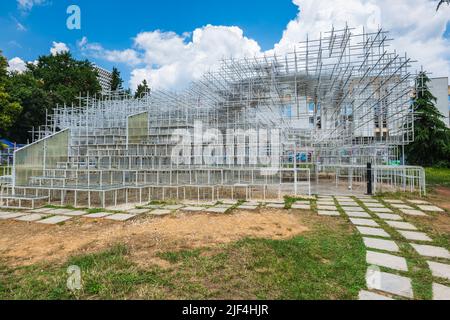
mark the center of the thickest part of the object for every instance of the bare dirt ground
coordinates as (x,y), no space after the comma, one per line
(23,244)
(440,222)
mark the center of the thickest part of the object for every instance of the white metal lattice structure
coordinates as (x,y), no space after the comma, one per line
(342,100)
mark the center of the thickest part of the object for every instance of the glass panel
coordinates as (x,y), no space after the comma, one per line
(30,162)
(138,128)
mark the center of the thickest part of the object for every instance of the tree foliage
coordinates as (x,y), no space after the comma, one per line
(35,101)
(142,89)
(53,80)
(116,80)
(431,144)
(9,108)
(64,78)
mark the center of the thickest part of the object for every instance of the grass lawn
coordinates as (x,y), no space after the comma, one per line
(438,177)
(327,262)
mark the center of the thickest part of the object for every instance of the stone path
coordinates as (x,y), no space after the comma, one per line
(31,217)
(381,244)
(389,255)
(97,215)
(371,296)
(55,220)
(439,270)
(160,212)
(379,223)
(441,292)
(120,217)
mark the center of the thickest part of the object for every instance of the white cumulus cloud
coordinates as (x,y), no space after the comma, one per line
(127,56)
(17,65)
(28,4)
(414,25)
(170,61)
(59,47)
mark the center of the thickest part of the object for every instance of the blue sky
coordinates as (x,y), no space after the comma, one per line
(170,43)
(114,23)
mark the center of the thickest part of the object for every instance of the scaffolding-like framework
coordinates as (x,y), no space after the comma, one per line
(338,102)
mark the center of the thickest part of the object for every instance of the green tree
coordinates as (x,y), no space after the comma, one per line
(65,78)
(34,100)
(3,68)
(116,80)
(9,108)
(431,144)
(142,89)
(9,111)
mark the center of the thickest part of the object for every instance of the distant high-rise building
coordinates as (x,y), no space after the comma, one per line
(440,89)
(105,78)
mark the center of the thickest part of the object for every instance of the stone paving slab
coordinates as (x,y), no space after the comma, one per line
(412,235)
(137,211)
(332,208)
(226,206)
(41,210)
(301,206)
(401,206)
(274,202)
(380,244)
(390,283)
(369,200)
(216,210)
(353,209)
(193,209)
(381,210)
(440,270)
(430,208)
(441,292)
(386,216)
(364,222)
(275,205)
(232,202)
(54,220)
(97,215)
(328,213)
(120,217)
(160,212)
(31,217)
(371,296)
(358,214)
(393,201)
(74,213)
(173,207)
(423,202)
(401,225)
(153,206)
(374,205)
(413,212)
(431,251)
(12,215)
(376,232)
(325,199)
(252,203)
(348,204)
(386,260)
(326,203)
(59,211)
